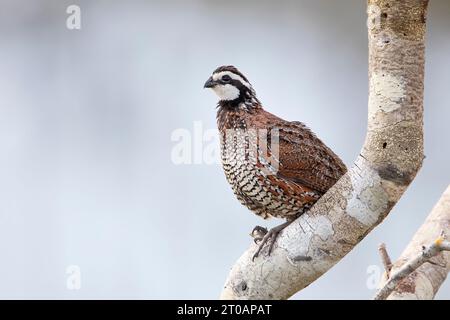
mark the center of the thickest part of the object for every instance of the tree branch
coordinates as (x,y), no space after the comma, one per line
(390,158)
(433,250)
(411,277)
(385,259)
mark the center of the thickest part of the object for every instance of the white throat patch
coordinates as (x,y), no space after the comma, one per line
(226,92)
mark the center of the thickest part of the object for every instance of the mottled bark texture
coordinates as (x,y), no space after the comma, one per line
(390,158)
(425,281)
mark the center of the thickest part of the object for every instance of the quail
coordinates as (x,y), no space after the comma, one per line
(276,168)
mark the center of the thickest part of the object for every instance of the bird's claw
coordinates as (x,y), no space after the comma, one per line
(270,235)
(258,233)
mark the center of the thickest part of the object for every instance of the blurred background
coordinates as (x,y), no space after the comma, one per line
(88,186)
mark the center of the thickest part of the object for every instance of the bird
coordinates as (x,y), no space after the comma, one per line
(276,168)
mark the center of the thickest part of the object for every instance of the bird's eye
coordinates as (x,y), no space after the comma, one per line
(226,78)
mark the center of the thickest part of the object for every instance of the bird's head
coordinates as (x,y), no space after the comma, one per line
(231,86)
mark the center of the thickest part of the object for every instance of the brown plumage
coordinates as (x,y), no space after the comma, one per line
(282,186)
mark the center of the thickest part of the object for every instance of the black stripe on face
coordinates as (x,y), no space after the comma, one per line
(241,87)
(234,82)
(237,84)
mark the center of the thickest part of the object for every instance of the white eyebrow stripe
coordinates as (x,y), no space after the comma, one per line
(234,76)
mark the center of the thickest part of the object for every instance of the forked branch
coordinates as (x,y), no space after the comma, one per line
(422,267)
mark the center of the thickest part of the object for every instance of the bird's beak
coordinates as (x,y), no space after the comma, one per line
(209,83)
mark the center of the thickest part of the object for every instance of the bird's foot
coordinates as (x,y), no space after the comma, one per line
(269,236)
(258,233)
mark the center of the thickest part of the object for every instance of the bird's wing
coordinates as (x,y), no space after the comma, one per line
(303,158)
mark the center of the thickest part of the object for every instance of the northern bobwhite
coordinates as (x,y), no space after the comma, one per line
(276,168)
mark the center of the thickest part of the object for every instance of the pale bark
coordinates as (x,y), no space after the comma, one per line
(389,160)
(421,276)
(385,259)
